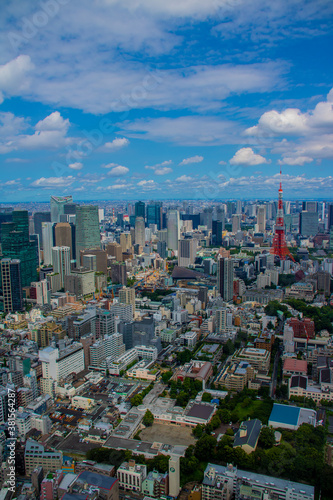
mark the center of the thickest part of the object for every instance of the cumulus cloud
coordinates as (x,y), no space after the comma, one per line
(292,121)
(117,171)
(161,168)
(13,76)
(117,143)
(192,159)
(53,182)
(298,160)
(53,122)
(247,157)
(76,166)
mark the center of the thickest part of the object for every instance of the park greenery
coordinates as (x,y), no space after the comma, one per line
(322,316)
(182,392)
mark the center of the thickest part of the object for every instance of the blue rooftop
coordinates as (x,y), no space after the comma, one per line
(285,414)
(96,479)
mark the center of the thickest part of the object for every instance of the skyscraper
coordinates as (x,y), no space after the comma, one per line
(39,218)
(140,209)
(235,222)
(154,214)
(217,226)
(308,223)
(225,278)
(173,226)
(261,218)
(187,252)
(330,216)
(17,245)
(140,231)
(61,257)
(11,285)
(58,206)
(87,229)
(47,232)
(63,236)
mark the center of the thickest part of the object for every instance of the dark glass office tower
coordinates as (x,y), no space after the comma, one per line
(140,209)
(154,214)
(17,245)
(11,285)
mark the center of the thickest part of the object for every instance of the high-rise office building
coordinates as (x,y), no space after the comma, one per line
(308,223)
(330,216)
(63,235)
(310,206)
(235,223)
(162,249)
(5,216)
(140,209)
(87,229)
(154,214)
(58,206)
(48,243)
(140,231)
(217,228)
(125,241)
(39,218)
(11,285)
(127,296)
(225,278)
(61,257)
(16,244)
(173,227)
(261,218)
(206,217)
(187,249)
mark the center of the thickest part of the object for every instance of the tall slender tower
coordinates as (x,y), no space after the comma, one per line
(279,247)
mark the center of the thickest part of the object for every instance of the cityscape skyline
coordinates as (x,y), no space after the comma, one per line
(204,101)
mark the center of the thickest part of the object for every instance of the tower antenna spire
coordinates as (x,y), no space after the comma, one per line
(279,247)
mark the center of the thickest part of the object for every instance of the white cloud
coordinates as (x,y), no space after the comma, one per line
(53,182)
(192,159)
(117,171)
(298,160)
(163,170)
(117,143)
(76,166)
(292,121)
(247,157)
(53,122)
(185,130)
(13,76)
(184,178)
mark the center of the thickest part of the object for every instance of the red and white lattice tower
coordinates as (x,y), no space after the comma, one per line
(279,247)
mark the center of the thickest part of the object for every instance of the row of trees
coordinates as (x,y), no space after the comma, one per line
(138,398)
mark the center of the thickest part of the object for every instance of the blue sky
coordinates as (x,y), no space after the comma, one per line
(149,99)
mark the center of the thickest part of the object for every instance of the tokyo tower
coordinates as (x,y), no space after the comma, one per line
(279,247)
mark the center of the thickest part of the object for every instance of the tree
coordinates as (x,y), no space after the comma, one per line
(148,419)
(215,422)
(224,415)
(267,437)
(205,448)
(166,376)
(136,400)
(206,397)
(197,431)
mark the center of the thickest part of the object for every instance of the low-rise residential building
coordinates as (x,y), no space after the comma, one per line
(229,482)
(155,484)
(131,476)
(35,455)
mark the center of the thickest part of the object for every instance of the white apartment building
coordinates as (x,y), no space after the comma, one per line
(119,364)
(57,365)
(111,346)
(146,352)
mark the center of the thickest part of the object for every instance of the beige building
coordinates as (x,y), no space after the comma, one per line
(131,475)
(236,376)
(36,456)
(127,296)
(258,358)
